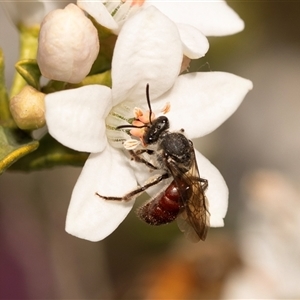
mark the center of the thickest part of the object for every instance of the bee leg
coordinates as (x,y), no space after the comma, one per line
(141,151)
(136,156)
(204,183)
(137,191)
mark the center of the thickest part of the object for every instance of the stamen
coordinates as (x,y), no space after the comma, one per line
(131,144)
(137,2)
(138,132)
(137,112)
(166,108)
(142,116)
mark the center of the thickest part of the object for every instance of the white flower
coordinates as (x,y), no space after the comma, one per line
(79,46)
(141,56)
(83,119)
(68,45)
(212,18)
(194,19)
(30,13)
(197,19)
(113,14)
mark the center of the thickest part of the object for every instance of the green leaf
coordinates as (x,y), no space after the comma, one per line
(50,154)
(30,71)
(14,144)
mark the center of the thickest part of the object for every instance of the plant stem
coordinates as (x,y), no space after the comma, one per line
(28,50)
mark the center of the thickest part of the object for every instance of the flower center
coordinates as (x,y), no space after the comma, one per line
(137,120)
(121,114)
(121,10)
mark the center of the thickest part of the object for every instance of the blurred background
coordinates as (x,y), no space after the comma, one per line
(257,253)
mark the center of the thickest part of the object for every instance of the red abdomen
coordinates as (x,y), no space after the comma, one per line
(164,208)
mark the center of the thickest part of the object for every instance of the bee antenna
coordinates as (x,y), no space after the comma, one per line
(148,101)
(130,126)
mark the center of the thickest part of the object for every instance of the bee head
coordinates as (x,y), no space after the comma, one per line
(155,129)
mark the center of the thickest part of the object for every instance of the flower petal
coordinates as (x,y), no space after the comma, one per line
(201,102)
(99,12)
(195,44)
(217,191)
(107,173)
(145,53)
(76,118)
(213,18)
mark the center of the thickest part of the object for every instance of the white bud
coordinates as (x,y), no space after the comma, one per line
(68,45)
(28,108)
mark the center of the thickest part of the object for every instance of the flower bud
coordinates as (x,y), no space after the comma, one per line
(28,108)
(68,45)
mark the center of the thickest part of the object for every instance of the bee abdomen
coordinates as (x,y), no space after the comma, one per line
(163,209)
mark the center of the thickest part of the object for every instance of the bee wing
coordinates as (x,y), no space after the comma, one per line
(185,226)
(193,220)
(194,224)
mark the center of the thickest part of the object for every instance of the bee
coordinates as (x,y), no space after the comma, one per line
(184,198)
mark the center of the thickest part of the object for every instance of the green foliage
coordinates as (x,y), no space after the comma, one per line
(50,154)
(14,144)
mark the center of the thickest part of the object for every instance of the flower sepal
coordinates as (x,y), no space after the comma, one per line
(30,71)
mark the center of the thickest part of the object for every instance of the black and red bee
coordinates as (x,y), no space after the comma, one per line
(184,198)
